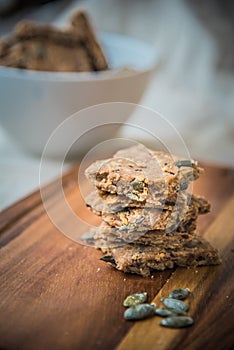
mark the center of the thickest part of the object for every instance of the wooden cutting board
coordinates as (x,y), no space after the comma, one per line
(57,294)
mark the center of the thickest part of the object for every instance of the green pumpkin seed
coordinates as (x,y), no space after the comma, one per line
(139,220)
(88,237)
(130,226)
(175,304)
(183,186)
(163,312)
(133,196)
(109,259)
(185,162)
(137,185)
(123,228)
(139,312)
(135,299)
(40,52)
(179,293)
(177,321)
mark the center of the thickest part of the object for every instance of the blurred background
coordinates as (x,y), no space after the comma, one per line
(193,86)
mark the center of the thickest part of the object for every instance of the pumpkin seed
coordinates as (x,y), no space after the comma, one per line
(137,185)
(131,225)
(179,293)
(109,259)
(186,162)
(139,220)
(175,304)
(139,312)
(133,196)
(183,186)
(40,52)
(135,299)
(88,237)
(124,228)
(165,312)
(177,321)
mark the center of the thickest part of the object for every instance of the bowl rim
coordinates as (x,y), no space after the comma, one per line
(115,73)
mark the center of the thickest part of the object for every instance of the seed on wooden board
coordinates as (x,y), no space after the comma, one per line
(175,304)
(139,312)
(165,312)
(177,321)
(179,293)
(135,299)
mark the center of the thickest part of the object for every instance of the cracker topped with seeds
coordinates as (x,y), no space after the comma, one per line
(105,237)
(44,47)
(141,174)
(105,202)
(168,217)
(142,259)
(149,216)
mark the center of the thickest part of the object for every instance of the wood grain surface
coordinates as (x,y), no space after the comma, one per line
(57,294)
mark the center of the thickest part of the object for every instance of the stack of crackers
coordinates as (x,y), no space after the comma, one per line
(149,214)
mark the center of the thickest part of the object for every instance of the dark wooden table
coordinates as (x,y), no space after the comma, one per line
(57,294)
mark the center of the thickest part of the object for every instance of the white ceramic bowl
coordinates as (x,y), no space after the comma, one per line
(34,103)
